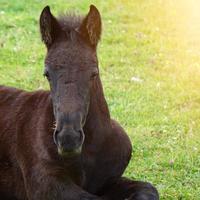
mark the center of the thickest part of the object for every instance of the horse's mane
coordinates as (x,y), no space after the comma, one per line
(70,21)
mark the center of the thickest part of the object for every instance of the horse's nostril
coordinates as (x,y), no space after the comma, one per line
(55,134)
(81,135)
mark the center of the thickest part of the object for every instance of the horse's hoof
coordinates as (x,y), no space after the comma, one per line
(140,196)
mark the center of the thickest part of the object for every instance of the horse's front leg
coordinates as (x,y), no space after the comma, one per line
(42,186)
(125,189)
(110,162)
(110,165)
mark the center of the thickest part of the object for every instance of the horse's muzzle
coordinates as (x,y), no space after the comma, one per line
(69,141)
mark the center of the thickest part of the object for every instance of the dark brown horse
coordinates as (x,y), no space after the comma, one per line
(62,144)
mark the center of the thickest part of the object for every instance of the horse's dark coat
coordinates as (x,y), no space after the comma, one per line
(30,166)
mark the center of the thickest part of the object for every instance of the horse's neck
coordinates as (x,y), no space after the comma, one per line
(98,118)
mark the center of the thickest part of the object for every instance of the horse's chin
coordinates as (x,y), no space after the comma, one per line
(75,152)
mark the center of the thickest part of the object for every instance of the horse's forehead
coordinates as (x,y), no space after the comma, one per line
(71,54)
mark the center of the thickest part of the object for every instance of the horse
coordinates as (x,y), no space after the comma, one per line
(62,144)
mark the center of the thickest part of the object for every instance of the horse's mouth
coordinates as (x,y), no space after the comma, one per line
(73,152)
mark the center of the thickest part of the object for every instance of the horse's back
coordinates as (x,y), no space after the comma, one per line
(7,141)
(8,97)
(16,106)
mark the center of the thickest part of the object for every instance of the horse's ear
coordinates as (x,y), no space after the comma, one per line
(90,28)
(49,27)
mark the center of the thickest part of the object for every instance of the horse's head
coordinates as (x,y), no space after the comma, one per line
(71,68)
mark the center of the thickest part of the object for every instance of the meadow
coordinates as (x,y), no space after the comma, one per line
(149,59)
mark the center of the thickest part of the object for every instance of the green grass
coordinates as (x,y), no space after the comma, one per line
(157,41)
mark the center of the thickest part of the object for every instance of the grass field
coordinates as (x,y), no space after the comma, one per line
(155,41)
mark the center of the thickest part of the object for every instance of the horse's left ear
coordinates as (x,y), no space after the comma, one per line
(90,28)
(49,27)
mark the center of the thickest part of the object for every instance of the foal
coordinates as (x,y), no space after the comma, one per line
(62,144)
